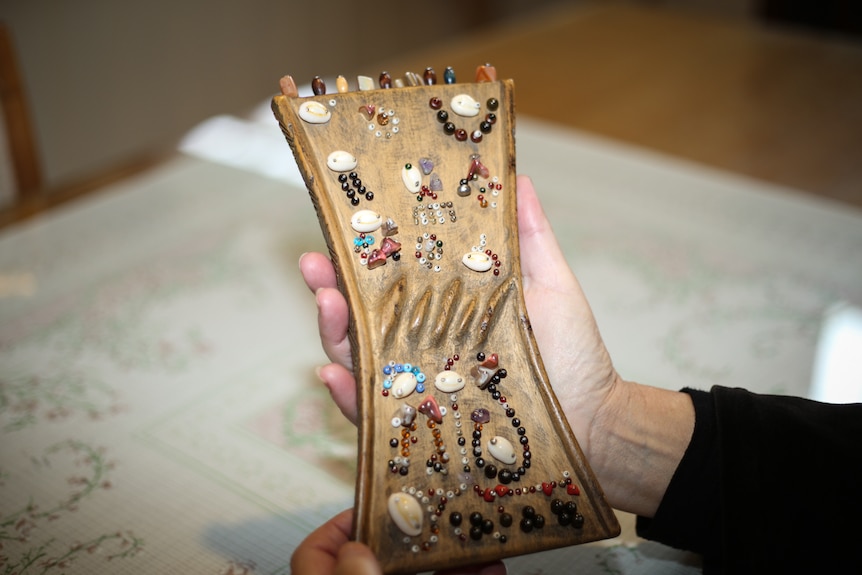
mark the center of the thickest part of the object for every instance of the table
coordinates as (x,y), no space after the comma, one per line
(159,410)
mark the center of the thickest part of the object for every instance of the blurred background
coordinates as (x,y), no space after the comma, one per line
(766,88)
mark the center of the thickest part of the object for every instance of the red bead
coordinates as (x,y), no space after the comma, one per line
(456,357)
(435,103)
(496,272)
(460,135)
(385,393)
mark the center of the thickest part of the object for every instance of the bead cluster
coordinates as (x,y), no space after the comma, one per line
(429,250)
(460,134)
(353,188)
(434,213)
(387,123)
(391,371)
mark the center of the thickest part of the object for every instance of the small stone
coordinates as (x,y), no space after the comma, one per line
(486,73)
(406,414)
(368,111)
(341,85)
(389,246)
(480,415)
(376,259)
(365,83)
(431,409)
(288,87)
(389,227)
(491,361)
(427,165)
(435,184)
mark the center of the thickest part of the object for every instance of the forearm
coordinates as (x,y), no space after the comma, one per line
(636,442)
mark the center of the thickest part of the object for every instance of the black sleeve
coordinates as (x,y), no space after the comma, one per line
(768,484)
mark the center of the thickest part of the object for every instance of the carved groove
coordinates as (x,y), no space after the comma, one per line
(391,311)
(447,310)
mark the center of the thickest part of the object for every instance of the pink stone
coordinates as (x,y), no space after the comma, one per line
(288,87)
(389,246)
(491,361)
(477,168)
(368,110)
(376,259)
(430,408)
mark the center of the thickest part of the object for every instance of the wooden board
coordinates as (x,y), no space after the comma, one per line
(424,316)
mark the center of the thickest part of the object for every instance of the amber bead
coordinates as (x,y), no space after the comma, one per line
(385,80)
(318,86)
(429,76)
(486,73)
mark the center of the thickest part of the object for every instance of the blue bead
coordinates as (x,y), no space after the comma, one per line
(370,240)
(399,368)
(416,370)
(420,377)
(387,384)
(387,370)
(420,388)
(408,367)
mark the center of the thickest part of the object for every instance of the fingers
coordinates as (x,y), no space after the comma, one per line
(342,387)
(317,271)
(496,568)
(332,316)
(357,559)
(318,552)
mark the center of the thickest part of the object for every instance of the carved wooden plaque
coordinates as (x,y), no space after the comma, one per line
(465,455)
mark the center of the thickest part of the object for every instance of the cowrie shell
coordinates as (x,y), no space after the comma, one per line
(314,112)
(464,105)
(341,161)
(412,178)
(366,221)
(449,381)
(403,385)
(501,449)
(406,511)
(477,261)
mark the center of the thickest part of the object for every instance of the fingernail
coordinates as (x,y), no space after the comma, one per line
(299,261)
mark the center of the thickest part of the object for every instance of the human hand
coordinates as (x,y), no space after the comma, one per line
(574,355)
(328,550)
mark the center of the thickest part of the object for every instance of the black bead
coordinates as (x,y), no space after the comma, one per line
(357,182)
(521,431)
(516,422)
(526,464)
(354,201)
(570,507)
(492,387)
(345,185)
(353,175)
(438,467)
(455,519)
(477,452)
(476,442)
(526,524)
(503,538)
(461,440)
(449,128)
(495,379)
(522,471)
(342,177)
(477,434)
(564,518)
(516,476)
(539,521)
(396,256)
(442,116)
(490,471)
(475,533)
(480,463)
(505,476)
(481,355)
(476,519)
(403,471)
(502,373)
(510,412)
(492,103)
(557,506)
(496,395)
(528,454)
(528,511)
(393,442)
(351,193)
(485,127)
(487,527)
(578,521)
(524,440)
(369,196)
(505,520)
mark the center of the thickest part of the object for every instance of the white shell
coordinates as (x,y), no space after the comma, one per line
(478,261)
(366,221)
(341,161)
(406,511)
(314,112)
(501,449)
(449,381)
(465,105)
(412,178)
(403,385)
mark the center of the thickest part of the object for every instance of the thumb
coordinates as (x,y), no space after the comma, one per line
(356,559)
(541,256)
